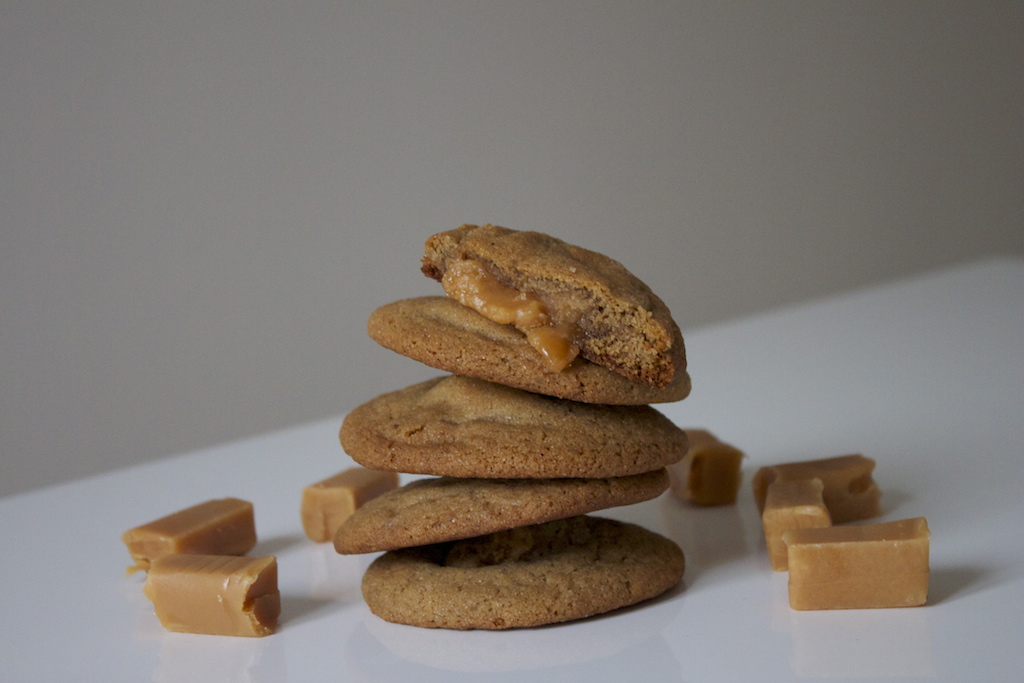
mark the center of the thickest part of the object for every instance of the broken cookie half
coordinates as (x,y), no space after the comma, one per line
(567,301)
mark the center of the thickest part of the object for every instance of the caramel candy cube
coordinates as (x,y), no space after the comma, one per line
(850,493)
(215,594)
(791,505)
(709,473)
(216,527)
(869,566)
(328,503)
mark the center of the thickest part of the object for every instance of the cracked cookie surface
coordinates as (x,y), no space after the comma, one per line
(435,510)
(464,427)
(529,576)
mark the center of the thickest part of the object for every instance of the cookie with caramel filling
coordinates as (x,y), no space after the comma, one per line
(529,576)
(463,427)
(444,334)
(564,298)
(438,509)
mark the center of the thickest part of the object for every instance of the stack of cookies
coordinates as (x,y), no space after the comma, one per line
(555,353)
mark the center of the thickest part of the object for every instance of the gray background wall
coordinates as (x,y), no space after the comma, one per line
(201,202)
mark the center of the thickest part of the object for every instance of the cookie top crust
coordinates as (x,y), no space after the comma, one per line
(463,427)
(528,576)
(616,320)
(444,334)
(428,511)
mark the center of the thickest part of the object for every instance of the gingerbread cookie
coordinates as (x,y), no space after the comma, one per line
(529,576)
(464,427)
(429,511)
(564,298)
(444,334)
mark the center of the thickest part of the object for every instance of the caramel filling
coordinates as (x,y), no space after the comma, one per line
(469,283)
(555,344)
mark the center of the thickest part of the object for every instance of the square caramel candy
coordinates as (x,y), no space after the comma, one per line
(709,473)
(850,493)
(217,527)
(851,567)
(791,505)
(217,595)
(328,503)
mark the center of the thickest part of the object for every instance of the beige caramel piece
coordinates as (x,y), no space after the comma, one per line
(215,594)
(709,473)
(850,493)
(328,503)
(791,505)
(852,567)
(217,527)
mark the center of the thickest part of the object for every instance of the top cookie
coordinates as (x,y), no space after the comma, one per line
(566,299)
(446,335)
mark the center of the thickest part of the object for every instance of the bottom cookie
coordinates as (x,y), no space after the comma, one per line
(529,576)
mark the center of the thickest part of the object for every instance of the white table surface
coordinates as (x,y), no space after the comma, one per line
(924,375)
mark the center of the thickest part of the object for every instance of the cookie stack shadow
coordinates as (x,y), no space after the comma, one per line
(515,454)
